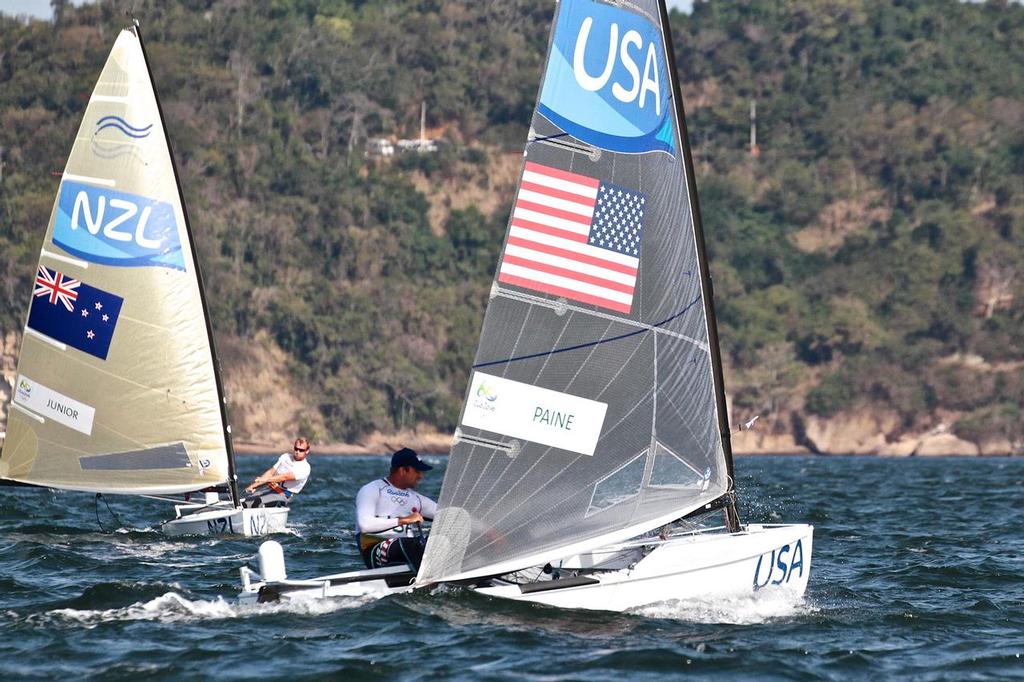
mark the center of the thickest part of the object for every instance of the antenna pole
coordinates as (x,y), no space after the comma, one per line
(755,151)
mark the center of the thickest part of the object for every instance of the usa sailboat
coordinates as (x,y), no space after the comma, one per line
(118,389)
(594,435)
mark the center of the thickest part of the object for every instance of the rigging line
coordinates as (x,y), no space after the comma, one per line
(591,343)
(565,305)
(120,523)
(546,138)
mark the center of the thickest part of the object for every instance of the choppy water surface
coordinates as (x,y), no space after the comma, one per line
(918,571)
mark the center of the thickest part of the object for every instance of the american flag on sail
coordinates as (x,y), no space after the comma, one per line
(575,236)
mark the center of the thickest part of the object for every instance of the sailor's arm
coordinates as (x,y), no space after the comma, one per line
(271,476)
(428,508)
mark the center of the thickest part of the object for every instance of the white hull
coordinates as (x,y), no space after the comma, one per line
(619,578)
(696,566)
(227,520)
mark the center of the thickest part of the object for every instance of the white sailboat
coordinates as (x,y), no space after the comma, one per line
(118,389)
(595,418)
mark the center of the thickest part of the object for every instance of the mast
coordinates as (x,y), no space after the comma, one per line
(707,288)
(232,477)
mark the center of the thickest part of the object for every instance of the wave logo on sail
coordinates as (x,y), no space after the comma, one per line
(606,82)
(123,126)
(110,227)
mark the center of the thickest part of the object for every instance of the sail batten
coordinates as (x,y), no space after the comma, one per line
(117,389)
(597,368)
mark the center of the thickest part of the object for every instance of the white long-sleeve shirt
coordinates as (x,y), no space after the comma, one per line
(379,505)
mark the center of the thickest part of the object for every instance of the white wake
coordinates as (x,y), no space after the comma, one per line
(747,609)
(172,607)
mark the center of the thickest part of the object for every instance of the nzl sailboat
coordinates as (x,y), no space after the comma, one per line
(594,432)
(118,389)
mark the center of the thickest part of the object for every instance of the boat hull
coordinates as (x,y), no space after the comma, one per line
(229,521)
(698,566)
(695,566)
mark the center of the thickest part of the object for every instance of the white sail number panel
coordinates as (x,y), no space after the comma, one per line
(43,400)
(536,414)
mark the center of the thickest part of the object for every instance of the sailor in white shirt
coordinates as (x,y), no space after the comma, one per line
(284,480)
(389,514)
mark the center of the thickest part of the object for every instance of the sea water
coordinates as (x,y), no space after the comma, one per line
(917,572)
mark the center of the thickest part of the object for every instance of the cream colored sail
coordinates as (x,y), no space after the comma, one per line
(117,389)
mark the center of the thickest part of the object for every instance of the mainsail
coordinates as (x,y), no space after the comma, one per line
(117,389)
(595,409)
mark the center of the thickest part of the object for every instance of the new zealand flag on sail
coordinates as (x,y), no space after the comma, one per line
(72,312)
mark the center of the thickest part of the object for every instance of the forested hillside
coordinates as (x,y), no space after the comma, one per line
(868,261)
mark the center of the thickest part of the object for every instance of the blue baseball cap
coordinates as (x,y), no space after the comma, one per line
(407,457)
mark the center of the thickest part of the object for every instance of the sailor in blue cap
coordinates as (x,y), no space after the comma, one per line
(390,513)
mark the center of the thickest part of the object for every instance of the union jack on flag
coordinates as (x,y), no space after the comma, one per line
(57,287)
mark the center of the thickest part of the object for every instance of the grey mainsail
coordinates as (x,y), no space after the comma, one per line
(595,410)
(117,388)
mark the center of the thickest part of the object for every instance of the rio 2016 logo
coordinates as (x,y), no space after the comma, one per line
(486,397)
(24,390)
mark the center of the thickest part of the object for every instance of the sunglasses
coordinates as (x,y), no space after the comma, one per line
(301,449)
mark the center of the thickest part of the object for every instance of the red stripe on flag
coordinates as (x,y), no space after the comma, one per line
(574,255)
(557,212)
(568,293)
(587,202)
(569,274)
(544,229)
(563,175)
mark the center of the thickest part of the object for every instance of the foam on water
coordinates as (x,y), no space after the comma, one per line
(748,609)
(172,607)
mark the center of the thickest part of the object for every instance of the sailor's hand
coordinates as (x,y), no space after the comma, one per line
(415,517)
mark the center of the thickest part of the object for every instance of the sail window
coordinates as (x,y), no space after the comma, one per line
(171,456)
(622,484)
(672,471)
